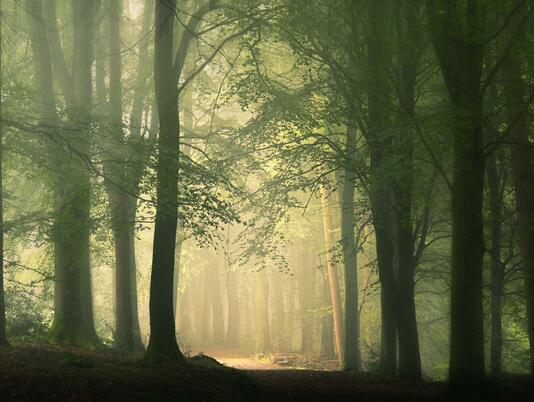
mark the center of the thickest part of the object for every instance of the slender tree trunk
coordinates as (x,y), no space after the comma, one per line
(261,314)
(217,316)
(333,282)
(206,308)
(119,202)
(162,343)
(232,331)
(3,337)
(279,314)
(351,348)
(82,83)
(136,117)
(291,312)
(523,178)
(306,294)
(327,324)
(497,267)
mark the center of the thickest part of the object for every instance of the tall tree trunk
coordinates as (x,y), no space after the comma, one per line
(460,57)
(233,326)
(351,348)
(327,325)
(217,316)
(116,184)
(523,178)
(306,295)
(261,314)
(73,321)
(136,117)
(333,277)
(206,328)
(82,83)
(497,267)
(3,337)
(162,343)
(279,314)
(379,142)
(408,337)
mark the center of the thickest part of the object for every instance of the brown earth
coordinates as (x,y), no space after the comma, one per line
(47,373)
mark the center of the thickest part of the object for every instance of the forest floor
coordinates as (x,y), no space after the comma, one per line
(48,373)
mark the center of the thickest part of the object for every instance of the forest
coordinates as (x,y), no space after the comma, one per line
(267,200)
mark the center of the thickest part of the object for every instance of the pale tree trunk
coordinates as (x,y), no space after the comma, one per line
(73,315)
(261,314)
(279,314)
(116,185)
(306,282)
(333,277)
(233,327)
(351,348)
(217,316)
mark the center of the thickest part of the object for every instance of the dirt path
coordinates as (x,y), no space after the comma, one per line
(244,363)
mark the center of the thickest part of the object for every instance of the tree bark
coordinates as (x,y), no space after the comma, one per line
(233,327)
(522,177)
(333,277)
(261,314)
(379,141)
(351,348)
(116,185)
(73,321)
(460,57)
(162,344)
(497,267)
(408,337)
(3,337)
(306,295)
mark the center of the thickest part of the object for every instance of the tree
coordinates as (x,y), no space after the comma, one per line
(3,338)
(521,156)
(162,344)
(116,185)
(457,33)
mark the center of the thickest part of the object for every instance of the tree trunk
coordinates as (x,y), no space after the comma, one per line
(497,267)
(217,316)
(261,314)
(351,348)
(523,179)
(279,314)
(119,202)
(379,141)
(306,295)
(460,57)
(232,330)
(333,281)
(327,324)
(73,321)
(162,344)
(3,337)
(408,337)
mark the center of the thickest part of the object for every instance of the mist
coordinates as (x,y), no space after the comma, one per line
(221,199)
